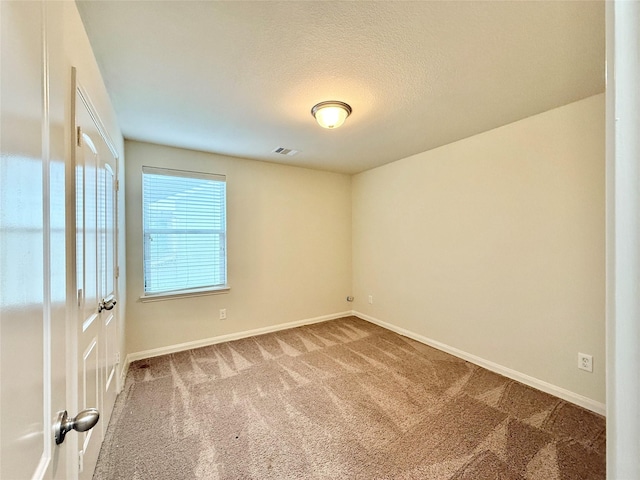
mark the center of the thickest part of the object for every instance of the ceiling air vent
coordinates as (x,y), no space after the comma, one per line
(284,151)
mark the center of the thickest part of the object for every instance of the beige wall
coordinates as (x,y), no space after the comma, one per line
(288,244)
(495,245)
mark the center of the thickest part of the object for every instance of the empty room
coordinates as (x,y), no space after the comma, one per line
(319,240)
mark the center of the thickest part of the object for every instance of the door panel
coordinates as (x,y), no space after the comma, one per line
(108,283)
(90,394)
(56,350)
(88,324)
(96,330)
(25,271)
(110,346)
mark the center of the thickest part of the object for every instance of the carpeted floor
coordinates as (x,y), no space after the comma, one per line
(343,399)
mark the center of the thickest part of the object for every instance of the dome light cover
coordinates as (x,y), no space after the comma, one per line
(331,114)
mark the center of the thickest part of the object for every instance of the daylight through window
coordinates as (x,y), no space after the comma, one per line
(184,230)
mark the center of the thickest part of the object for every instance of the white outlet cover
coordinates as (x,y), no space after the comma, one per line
(585,362)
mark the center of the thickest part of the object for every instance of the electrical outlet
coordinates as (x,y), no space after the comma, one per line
(223,314)
(585,362)
(371,299)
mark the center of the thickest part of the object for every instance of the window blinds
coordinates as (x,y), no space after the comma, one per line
(184,230)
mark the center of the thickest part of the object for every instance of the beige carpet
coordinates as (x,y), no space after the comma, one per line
(343,399)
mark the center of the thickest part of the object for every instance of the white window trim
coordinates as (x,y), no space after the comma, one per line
(196,292)
(193,292)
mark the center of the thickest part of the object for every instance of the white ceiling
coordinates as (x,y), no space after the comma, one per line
(240,78)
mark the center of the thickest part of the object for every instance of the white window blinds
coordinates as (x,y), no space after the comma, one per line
(184,230)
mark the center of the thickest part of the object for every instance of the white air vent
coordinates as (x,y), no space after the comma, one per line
(284,151)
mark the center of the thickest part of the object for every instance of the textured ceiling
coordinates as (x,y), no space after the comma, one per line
(240,78)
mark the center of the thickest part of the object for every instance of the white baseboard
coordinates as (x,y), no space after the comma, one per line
(562,393)
(180,347)
(538,384)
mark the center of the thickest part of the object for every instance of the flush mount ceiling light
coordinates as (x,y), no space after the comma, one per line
(331,114)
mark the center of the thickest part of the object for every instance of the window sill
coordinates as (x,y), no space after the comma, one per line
(196,292)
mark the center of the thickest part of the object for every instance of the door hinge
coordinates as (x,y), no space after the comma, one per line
(79,136)
(117,184)
(117,359)
(80,461)
(118,272)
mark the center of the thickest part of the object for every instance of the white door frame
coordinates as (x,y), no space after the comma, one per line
(623,238)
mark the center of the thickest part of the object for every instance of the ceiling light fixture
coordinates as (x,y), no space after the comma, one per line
(331,114)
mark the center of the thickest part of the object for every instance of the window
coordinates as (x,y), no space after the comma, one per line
(184,230)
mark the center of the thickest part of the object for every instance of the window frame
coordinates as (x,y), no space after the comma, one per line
(183,292)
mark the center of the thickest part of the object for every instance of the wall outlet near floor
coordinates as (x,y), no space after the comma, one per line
(371,299)
(585,362)
(223,314)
